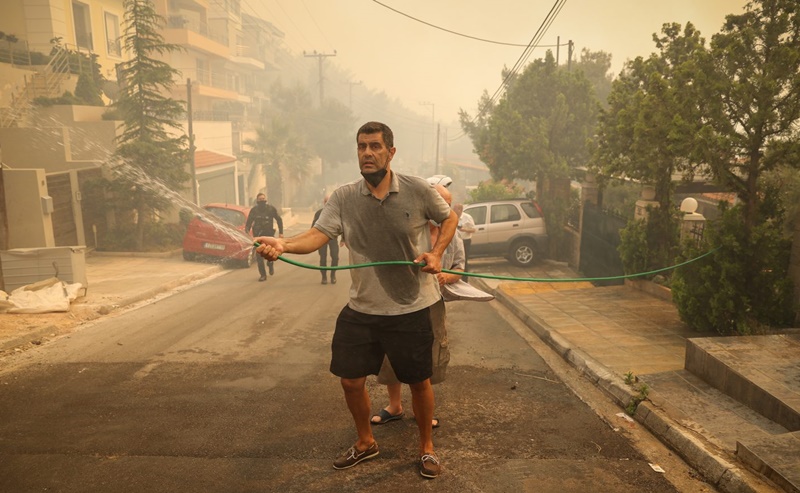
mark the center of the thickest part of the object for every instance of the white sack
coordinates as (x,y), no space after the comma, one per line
(55,298)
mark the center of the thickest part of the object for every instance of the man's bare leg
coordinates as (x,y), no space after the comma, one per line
(422,401)
(357,398)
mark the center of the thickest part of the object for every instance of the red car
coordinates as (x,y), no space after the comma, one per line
(218,233)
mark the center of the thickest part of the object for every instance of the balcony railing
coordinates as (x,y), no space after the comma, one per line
(199,27)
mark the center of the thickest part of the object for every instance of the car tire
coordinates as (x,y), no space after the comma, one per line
(522,253)
(189,256)
(246,263)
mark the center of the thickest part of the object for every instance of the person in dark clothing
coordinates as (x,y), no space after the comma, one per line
(323,252)
(261,219)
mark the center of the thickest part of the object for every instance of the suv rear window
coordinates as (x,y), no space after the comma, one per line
(502,213)
(228,215)
(530,210)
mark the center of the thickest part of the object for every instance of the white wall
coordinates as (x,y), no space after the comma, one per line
(28,224)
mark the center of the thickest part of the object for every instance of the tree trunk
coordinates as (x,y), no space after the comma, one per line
(752,204)
(794,267)
(141,217)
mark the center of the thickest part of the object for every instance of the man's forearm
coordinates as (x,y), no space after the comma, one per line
(446,232)
(306,242)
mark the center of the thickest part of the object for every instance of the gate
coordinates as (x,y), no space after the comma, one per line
(65,232)
(599,241)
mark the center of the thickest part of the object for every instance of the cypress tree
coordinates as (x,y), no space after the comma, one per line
(149,160)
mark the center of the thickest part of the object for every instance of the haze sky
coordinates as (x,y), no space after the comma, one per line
(417,63)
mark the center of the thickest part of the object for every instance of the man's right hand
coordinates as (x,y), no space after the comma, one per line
(269,247)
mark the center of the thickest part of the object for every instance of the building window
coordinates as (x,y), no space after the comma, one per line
(83,25)
(202,72)
(112,35)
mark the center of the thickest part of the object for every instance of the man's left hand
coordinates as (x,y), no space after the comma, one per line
(433,262)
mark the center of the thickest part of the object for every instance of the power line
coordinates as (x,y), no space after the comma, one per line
(543,27)
(315,22)
(455,32)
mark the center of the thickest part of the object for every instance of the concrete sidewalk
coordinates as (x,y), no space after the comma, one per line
(118,280)
(633,345)
(612,334)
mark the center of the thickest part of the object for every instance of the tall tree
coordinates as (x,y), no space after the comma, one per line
(539,129)
(148,160)
(748,89)
(596,66)
(645,134)
(331,133)
(281,151)
(325,131)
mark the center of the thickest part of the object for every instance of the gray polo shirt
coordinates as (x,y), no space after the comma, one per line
(394,228)
(454,256)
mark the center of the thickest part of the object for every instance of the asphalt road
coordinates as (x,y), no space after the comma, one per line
(225,388)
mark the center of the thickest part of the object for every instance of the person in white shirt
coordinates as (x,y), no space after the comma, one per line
(466,226)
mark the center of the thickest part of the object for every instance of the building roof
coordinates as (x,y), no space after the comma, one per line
(205,159)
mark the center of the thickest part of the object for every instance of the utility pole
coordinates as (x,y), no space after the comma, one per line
(433,127)
(195,194)
(558,49)
(569,59)
(444,152)
(320,57)
(437,149)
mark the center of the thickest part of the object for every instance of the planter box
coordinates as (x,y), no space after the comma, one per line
(23,266)
(651,288)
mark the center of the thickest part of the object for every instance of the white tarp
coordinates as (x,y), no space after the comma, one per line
(51,295)
(463,291)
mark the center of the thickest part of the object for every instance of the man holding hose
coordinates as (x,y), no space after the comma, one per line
(384,217)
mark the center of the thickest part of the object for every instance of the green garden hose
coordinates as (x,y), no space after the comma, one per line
(488,276)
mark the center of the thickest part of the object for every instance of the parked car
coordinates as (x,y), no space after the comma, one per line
(512,228)
(218,234)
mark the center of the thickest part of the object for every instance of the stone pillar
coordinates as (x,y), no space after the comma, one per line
(693,223)
(794,267)
(646,197)
(590,191)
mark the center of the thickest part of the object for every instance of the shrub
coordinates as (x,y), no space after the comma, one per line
(66,98)
(495,190)
(649,245)
(158,237)
(742,287)
(86,90)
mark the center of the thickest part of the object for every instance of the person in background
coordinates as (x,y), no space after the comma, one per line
(332,245)
(453,259)
(466,226)
(261,219)
(383,217)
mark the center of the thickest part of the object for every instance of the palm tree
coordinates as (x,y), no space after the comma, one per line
(10,38)
(280,150)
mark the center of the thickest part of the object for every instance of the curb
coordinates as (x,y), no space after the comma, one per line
(26,338)
(171,253)
(105,309)
(715,469)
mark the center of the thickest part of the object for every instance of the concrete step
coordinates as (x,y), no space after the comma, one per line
(743,434)
(761,372)
(776,457)
(702,408)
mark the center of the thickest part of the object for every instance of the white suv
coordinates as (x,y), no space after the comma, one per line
(512,228)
